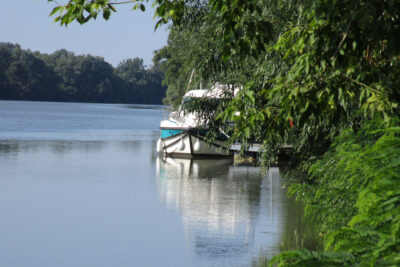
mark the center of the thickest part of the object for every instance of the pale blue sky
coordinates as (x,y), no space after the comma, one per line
(127,34)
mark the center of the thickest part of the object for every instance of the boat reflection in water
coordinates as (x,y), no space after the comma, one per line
(230,213)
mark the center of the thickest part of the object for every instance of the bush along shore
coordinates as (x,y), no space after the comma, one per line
(353,193)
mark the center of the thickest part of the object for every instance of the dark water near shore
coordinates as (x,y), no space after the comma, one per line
(81,185)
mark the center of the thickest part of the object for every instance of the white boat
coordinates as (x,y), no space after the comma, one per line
(183,134)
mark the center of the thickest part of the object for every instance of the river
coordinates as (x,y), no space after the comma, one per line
(82,185)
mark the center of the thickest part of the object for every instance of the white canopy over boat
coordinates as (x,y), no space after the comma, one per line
(216,91)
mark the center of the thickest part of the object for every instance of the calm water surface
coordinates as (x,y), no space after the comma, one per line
(81,185)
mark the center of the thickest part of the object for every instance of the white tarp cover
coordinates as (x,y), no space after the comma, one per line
(216,91)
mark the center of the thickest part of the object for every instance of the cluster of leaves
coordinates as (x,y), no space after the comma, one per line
(83,11)
(63,76)
(354,192)
(331,67)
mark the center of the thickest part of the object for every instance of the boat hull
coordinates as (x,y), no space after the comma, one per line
(187,144)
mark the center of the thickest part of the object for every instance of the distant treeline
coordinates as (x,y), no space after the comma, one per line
(64,76)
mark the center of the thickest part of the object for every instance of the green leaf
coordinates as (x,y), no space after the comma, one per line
(106,13)
(354,45)
(247,132)
(249,95)
(112,7)
(58,8)
(323,64)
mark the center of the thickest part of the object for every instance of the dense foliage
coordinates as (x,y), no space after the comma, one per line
(321,75)
(63,76)
(353,191)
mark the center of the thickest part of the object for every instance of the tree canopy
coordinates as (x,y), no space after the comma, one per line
(63,76)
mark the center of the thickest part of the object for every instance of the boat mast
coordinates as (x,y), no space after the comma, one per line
(190,80)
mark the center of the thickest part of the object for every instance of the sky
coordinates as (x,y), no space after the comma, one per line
(127,34)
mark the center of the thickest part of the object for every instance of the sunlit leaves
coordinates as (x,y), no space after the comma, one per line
(83,11)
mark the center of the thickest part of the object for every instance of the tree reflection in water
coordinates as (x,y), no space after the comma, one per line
(229,212)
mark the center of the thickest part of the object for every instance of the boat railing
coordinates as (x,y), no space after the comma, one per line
(177,116)
(170,113)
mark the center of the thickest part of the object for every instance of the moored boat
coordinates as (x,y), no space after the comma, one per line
(183,134)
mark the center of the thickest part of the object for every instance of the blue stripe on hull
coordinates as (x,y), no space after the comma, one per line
(169,132)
